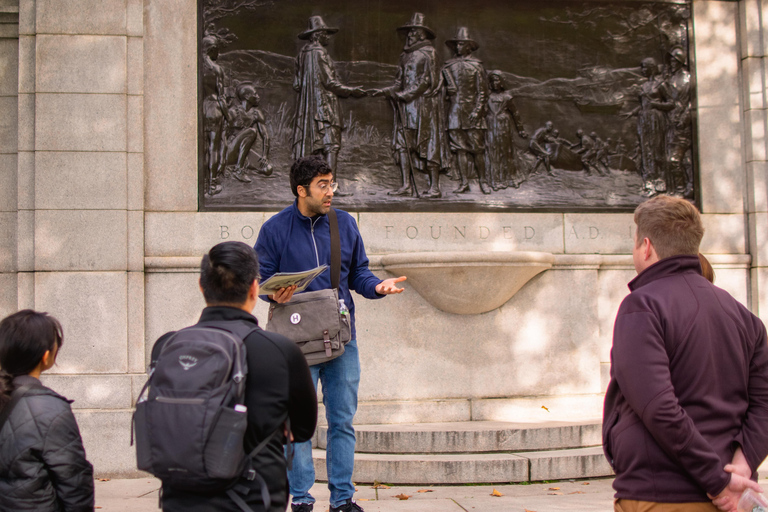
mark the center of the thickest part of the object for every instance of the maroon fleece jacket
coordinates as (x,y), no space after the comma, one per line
(689,383)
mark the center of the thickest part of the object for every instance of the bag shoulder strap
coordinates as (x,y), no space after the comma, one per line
(16,396)
(335,249)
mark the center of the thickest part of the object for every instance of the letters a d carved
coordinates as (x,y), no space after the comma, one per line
(513,105)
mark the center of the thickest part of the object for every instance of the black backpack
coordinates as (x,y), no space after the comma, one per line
(190,416)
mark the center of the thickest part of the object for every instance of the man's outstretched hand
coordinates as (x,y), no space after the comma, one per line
(389,286)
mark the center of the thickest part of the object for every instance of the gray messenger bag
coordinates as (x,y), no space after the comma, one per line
(315,320)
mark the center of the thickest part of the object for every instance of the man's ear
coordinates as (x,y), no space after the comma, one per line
(302,191)
(650,250)
(253,292)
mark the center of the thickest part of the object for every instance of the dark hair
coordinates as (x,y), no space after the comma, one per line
(227,273)
(25,336)
(304,170)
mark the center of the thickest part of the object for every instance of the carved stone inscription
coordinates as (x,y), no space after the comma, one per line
(508,105)
(555,233)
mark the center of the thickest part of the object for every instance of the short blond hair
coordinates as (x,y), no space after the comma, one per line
(673,225)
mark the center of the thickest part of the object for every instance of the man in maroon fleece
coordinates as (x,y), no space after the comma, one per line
(685,420)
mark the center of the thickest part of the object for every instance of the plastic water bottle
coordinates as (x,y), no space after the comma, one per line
(752,501)
(343,309)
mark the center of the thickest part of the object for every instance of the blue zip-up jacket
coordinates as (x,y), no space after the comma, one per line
(291,242)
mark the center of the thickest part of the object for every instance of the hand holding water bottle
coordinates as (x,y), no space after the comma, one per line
(752,501)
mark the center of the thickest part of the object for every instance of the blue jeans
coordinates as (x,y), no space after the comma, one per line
(340,378)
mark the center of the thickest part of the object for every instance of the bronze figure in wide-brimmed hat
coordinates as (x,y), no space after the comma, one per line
(466,87)
(462,35)
(419,139)
(417,21)
(317,119)
(316,24)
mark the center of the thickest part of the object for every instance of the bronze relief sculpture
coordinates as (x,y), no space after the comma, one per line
(270,92)
(502,116)
(318,123)
(419,136)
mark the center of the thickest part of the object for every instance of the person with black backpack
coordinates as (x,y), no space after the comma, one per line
(223,398)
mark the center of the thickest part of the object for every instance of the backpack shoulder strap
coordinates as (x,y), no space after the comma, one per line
(16,396)
(335,249)
(240,329)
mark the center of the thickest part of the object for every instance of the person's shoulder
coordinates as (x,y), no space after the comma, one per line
(474,61)
(46,404)
(278,219)
(426,51)
(260,336)
(346,220)
(638,300)
(346,216)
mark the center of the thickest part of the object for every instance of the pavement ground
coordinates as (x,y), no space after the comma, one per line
(140,495)
(590,495)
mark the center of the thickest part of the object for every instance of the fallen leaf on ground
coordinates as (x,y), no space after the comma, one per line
(577,492)
(585,483)
(402,496)
(380,486)
(104,479)
(496,493)
(554,489)
(526,510)
(425,490)
(556,493)
(545,408)
(362,499)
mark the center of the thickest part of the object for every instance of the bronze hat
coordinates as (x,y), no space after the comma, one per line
(316,24)
(417,21)
(462,34)
(678,54)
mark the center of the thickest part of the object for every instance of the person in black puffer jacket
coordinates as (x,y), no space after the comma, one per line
(42,461)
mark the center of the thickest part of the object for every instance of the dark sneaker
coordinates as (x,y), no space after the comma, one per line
(301,507)
(349,506)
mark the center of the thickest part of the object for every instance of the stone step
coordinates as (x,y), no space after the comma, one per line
(471,437)
(473,468)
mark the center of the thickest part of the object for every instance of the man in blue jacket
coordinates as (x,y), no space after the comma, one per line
(686,411)
(298,239)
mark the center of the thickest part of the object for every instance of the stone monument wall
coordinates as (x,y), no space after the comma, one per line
(100,226)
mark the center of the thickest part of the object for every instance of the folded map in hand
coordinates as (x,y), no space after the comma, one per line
(285,279)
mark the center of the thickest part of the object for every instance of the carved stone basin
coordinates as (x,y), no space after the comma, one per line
(467,283)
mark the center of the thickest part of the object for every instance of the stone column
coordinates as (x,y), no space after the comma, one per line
(9,63)
(753,39)
(80,205)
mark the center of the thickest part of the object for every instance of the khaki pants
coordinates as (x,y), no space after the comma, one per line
(623,505)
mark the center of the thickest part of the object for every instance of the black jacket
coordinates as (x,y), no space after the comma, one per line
(42,460)
(278,386)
